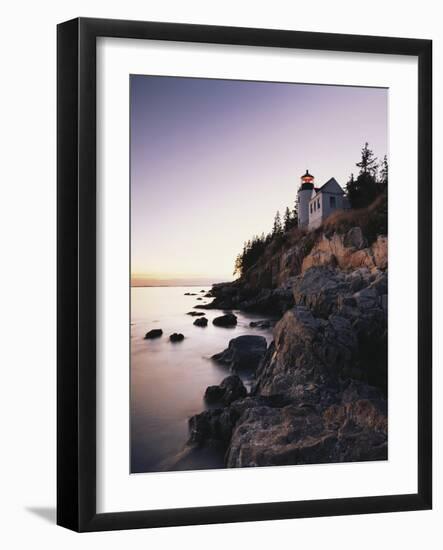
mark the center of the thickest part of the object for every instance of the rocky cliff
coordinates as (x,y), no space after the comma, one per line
(320,387)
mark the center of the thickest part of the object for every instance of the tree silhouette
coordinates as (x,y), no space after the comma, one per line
(287,219)
(363,190)
(277,227)
(368,163)
(384,173)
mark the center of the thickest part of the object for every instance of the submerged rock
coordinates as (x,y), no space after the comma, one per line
(243,353)
(195,313)
(154,333)
(227,320)
(260,324)
(201,322)
(176,337)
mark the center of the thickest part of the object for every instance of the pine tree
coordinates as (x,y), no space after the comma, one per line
(295,214)
(277,228)
(384,173)
(363,190)
(287,219)
(368,163)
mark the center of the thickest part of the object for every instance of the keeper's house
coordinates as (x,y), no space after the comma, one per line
(315,204)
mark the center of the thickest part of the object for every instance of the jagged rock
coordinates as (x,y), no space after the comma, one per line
(217,424)
(269,301)
(195,313)
(318,289)
(319,393)
(227,320)
(176,337)
(265,436)
(349,251)
(380,251)
(201,322)
(334,333)
(230,389)
(354,238)
(243,353)
(154,333)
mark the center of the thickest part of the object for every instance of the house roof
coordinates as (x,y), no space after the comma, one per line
(331,186)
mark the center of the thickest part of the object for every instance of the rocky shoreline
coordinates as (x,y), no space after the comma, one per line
(320,388)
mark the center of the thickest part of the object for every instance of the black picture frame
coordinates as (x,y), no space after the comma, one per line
(76,282)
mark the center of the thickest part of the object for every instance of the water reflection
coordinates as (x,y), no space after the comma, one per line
(168,380)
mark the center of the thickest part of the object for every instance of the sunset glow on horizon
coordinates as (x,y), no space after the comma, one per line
(213,160)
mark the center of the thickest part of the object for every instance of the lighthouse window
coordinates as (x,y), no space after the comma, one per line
(311,207)
(318,204)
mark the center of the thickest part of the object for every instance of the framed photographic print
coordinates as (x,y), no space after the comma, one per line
(229,201)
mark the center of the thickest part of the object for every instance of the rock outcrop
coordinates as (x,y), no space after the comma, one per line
(230,389)
(319,391)
(243,353)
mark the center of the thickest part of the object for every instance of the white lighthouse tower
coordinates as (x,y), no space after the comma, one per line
(304,196)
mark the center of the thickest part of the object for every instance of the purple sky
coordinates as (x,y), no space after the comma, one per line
(212,161)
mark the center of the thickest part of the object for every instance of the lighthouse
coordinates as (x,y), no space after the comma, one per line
(304,196)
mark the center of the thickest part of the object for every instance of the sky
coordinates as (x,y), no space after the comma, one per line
(213,160)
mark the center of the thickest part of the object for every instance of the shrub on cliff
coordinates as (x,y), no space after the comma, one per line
(373,220)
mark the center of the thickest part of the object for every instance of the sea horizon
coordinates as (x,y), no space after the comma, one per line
(178,283)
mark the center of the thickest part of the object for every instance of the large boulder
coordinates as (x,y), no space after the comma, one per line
(230,389)
(154,333)
(227,320)
(243,353)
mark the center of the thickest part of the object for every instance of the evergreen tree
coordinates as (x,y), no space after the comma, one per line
(277,228)
(384,172)
(368,163)
(363,190)
(295,215)
(287,219)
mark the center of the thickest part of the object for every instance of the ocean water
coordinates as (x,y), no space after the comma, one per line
(168,380)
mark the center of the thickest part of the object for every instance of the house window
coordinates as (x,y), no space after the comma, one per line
(332,202)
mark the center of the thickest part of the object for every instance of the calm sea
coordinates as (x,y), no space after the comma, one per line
(168,380)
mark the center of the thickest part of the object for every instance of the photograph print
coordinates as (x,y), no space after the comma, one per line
(259,274)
